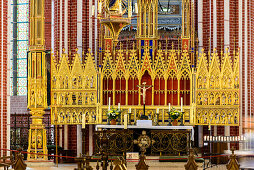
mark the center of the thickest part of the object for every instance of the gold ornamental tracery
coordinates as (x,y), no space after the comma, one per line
(80,89)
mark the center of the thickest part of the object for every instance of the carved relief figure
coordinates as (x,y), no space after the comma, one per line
(67,83)
(32,98)
(223,101)
(199,83)
(92,99)
(79,82)
(93,117)
(211,82)
(86,99)
(80,99)
(39,141)
(87,82)
(74,83)
(236,99)
(229,99)
(205,99)
(211,99)
(91,82)
(204,83)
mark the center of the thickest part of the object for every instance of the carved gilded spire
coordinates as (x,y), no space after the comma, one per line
(37,82)
(37,22)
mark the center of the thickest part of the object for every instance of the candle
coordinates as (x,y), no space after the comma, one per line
(129,110)
(181,104)
(218,138)
(136,7)
(204,138)
(118,106)
(169,107)
(93,10)
(109,104)
(125,121)
(99,7)
(157,111)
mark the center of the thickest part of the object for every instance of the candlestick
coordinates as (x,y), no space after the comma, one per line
(109,104)
(93,10)
(99,7)
(125,121)
(181,104)
(169,107)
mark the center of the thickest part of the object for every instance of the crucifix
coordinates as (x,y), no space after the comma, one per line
(144,87)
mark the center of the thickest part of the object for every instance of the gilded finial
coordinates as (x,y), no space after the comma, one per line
(63,50)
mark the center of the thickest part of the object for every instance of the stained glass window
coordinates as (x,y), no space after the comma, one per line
(22,47)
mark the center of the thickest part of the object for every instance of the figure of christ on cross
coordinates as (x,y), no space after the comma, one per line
(144,87)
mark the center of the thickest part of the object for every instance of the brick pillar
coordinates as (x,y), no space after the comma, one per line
(3,74)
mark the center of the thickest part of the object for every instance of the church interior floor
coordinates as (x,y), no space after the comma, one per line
(130,166)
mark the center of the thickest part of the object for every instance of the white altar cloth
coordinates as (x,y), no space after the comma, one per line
(147,127)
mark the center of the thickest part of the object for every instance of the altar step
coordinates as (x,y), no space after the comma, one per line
(178,159)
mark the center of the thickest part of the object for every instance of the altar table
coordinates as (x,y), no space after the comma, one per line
(148,127)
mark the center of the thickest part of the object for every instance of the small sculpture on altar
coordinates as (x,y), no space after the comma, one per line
(144,87)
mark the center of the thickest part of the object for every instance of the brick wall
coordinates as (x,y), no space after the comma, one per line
(47,14)
(72,138)
(18,104)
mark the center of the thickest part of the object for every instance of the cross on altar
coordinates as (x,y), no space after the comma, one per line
(144,87)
